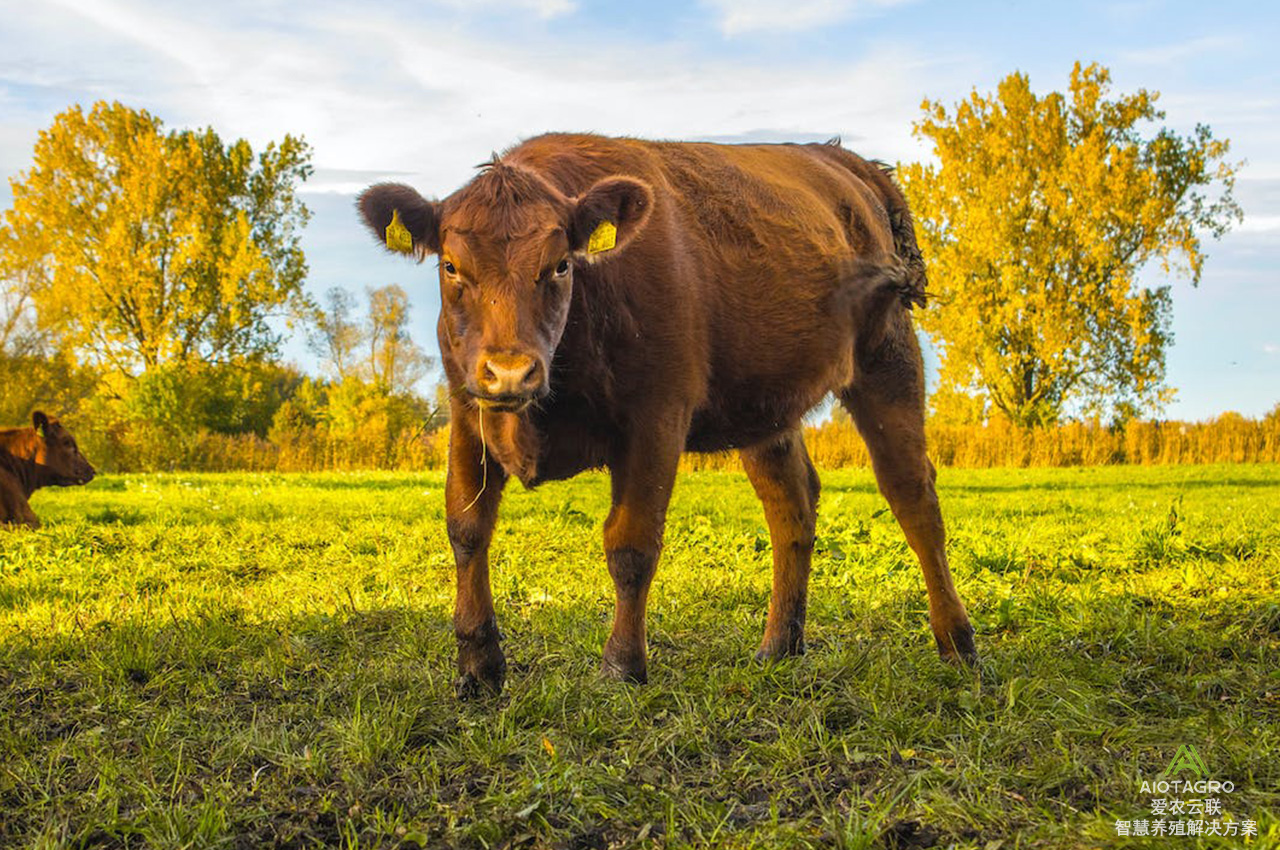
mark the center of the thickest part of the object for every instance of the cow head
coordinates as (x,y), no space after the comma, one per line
(508,244)
(57,453)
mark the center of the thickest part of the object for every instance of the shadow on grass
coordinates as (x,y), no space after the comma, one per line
(945,486)
(332,728)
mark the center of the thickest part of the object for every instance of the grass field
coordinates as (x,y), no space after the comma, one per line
(266,660)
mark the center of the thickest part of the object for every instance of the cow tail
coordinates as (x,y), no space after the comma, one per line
(905,247)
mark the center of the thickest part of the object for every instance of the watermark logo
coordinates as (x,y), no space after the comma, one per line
(1186,759)
(1183,803)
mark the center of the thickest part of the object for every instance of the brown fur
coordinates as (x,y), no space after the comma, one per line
(748,281)
(43,455)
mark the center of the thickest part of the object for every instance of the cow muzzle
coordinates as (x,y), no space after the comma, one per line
(508,381)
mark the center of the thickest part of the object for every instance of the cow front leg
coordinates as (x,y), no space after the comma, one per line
(642,477)
(473,489)
(14,508)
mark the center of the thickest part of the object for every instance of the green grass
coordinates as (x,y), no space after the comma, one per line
(267,660)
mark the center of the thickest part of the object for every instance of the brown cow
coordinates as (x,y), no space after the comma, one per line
(615,302)
(43,455)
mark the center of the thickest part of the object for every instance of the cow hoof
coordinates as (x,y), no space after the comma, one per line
(958,647)
(633,674)
(777,649)
(482,669)
(468,687)
(624,666)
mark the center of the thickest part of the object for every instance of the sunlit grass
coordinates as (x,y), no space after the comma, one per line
(259,660)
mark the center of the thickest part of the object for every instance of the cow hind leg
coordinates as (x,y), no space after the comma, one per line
(787,484)
(887,404)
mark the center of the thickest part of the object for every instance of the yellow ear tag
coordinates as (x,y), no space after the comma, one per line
(398,236)
(603,239)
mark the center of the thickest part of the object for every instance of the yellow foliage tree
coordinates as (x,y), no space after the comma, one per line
(1036,220)
(145,248)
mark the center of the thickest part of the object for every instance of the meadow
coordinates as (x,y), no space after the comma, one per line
(258,660)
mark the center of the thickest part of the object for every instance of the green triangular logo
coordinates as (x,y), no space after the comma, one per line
(1186,758)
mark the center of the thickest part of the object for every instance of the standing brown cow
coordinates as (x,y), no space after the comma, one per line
(615,302)
(43,455)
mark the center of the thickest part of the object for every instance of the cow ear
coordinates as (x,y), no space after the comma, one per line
(609,215)
(40,422)
(403,220)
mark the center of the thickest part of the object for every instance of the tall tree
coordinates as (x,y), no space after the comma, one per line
(395,360)
(19,334)
(377,350)
(1036,219)
(149,248)
(32,372)
(334,334)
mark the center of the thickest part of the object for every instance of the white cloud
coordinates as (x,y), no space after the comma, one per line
(461,99)
(1182,51)
(379,93)
(736,17)
(545,9)
(1259,224)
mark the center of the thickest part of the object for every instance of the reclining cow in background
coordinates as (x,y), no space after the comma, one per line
(615,302)
(44,455)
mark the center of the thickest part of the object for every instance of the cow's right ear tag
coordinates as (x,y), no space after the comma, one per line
(603,238)
(398,236)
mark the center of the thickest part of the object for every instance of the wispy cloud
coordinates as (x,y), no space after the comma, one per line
(382,93)
(1182,51)
(464,97)
(736,17)
(1259,224)
(545,9)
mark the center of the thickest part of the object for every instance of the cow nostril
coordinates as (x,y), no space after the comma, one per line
(520,377)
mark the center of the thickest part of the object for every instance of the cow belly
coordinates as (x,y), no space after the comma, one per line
(783,382)
(747,419)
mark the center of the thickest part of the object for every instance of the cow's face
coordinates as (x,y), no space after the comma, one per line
(58,454)
(508,244)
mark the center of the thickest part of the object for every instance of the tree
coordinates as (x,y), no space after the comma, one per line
(148,248)
(334,335)
(379,350)
(395,360)
(32,374)
(1036,221)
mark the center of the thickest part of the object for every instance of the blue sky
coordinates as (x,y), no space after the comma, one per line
(422,91)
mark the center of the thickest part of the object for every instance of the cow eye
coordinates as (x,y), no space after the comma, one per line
(562,269)
(450,268)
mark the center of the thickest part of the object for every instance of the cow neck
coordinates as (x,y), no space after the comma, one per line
(18,445)
(25,472)
(600,321)
(514,441)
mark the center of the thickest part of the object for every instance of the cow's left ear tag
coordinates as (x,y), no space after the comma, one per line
(603,238)
(398,236)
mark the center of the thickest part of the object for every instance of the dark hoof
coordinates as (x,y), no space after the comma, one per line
(624,666)
(468,687)
(634,674)
(481,668)
(777,650)
(958,647)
